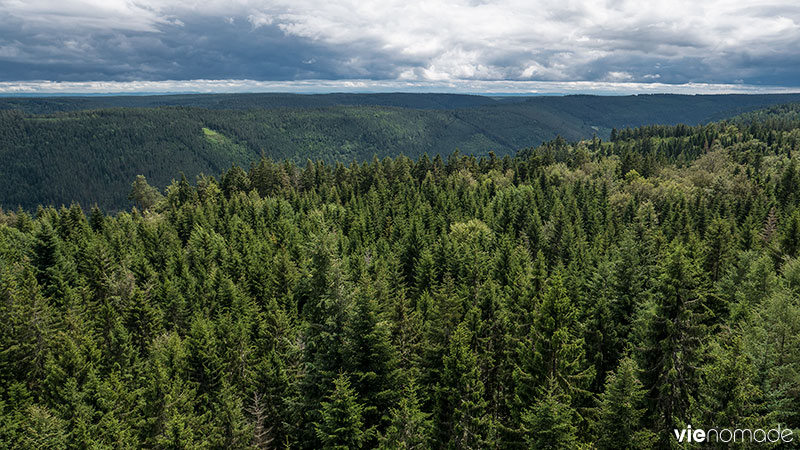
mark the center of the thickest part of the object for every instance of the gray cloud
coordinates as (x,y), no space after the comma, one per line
(393,41)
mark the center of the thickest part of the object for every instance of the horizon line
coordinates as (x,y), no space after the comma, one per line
(365,86)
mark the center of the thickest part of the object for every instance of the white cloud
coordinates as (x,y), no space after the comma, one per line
(257,20)
(84,15)
(361,85)
(618,76)
(462,39)
(444,40)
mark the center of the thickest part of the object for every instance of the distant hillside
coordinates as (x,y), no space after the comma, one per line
(635,108)
(41,105)
(778,117)
(57,150)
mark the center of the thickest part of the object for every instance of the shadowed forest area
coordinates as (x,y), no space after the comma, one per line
(59,150)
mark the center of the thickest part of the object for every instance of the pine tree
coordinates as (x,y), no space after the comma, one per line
(790,240)
(721,247)
(727,394)
(603,343)
(550,423)
(409,427)
(205,367)
(324,305)
(554,349)
(171,421)
(97,219)
(43,430)
(234,180)
(232,429)
(461,417)
(621,410)
(772,338)
(369,356)
(341,425)
(674,330)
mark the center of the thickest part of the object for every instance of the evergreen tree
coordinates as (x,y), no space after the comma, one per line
(554,350)
(790,241)
(727,394)
(143,194)
(341,426)
(370,357)
(325,307)
(621,410)
(43,430)
(549,424)
(672,341)
(409,427)
(461,417)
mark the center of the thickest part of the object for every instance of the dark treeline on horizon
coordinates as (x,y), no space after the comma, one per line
(56,151)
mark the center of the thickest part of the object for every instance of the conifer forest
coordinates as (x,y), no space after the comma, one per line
(600,293)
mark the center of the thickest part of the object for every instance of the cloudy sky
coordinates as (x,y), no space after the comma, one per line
(509,46)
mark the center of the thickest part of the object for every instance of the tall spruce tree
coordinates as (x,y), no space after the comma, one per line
(461,417)
(621,410)
(341,426)
(553,352)
(549,424)
(409,428)
(674,331)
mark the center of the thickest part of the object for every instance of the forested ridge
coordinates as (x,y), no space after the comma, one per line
(57,150)
(590,294)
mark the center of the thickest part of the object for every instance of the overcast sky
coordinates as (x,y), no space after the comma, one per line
(459,45)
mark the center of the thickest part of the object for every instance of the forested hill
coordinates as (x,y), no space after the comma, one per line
(75,154)
(591,295)
(40,105)
(641,109)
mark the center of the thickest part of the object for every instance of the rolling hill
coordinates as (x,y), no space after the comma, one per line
(58,150)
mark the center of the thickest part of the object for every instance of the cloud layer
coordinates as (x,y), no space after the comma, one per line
(430,43)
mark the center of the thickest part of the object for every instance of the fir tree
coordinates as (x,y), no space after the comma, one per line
(341,426)
(670,351)
(554,349)
(549,424)
(461,417)
(621,410)
(409,427)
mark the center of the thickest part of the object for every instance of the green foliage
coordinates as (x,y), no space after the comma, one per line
(410,428)
(553,352)
(143,194)
(341,426)
(621,410)
(550,423)
(579,295)
(671,347)
(461,415)
(117,138)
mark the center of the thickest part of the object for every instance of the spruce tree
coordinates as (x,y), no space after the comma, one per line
(549,424)
(409,427)
(341,425)
(324,308)
(728,395)
(369,356)
(669,353)
(461,417)
(621,410)
(554,349)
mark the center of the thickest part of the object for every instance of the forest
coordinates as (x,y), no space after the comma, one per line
(102,143)
(581,294)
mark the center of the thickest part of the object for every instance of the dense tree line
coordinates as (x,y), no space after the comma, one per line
(579,295)
(98,144)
